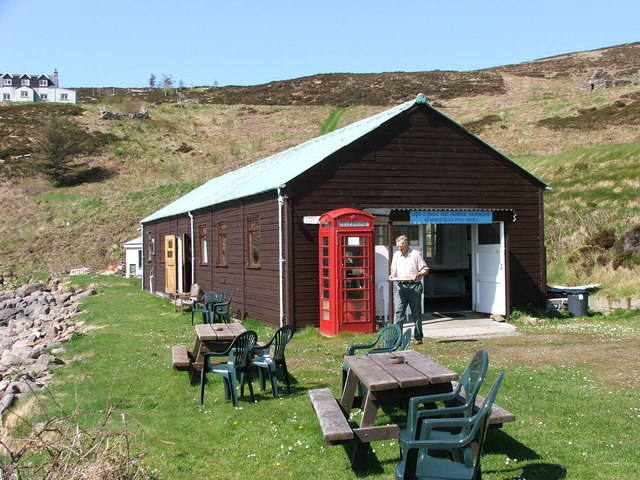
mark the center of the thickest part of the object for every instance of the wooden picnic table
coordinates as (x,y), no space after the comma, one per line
(388,383)
(213,337)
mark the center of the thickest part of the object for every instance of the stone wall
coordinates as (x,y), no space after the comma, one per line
(35,320)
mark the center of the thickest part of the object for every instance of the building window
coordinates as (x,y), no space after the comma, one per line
(140,258)
(43,96)
(253,241)
(24,94)
(6,96)
(64,96)
(221,230)
(25,82)
(8,82)
(204,244)
(44,82)
(151,248)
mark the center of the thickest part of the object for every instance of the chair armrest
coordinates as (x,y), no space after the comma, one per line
(209,355)
(352,348)
(432,424)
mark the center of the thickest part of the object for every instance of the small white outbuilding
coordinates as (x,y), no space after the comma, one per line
(133,257)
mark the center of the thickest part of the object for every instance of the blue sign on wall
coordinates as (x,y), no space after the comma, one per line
(451,216)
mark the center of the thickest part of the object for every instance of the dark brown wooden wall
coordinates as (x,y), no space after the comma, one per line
(420,161)
(254,291)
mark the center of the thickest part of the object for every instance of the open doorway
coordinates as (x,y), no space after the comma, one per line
(466,265)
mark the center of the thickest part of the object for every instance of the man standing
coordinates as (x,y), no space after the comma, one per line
(407,269)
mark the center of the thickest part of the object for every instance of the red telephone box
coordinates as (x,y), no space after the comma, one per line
(346,264)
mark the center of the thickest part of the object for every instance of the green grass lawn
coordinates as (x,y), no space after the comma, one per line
(577,413)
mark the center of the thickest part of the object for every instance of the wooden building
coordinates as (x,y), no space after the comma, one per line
(251,232)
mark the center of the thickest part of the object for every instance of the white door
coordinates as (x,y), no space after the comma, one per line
(488,268)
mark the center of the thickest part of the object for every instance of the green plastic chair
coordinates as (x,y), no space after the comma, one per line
(406,339)
(270,357)
(220,309)
(205,305)
(236,368)
(388,340)
(471,381)
(465,448)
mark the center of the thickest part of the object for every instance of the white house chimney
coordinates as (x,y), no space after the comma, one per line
(54,78)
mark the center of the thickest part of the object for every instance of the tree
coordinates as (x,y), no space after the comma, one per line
(167,82)
(152,81)
(57,151)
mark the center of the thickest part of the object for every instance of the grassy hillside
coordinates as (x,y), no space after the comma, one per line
(584,144)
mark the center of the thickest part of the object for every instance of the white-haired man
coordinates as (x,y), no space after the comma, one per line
(409,267)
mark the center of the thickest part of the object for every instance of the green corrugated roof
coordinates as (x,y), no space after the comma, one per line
(272,172)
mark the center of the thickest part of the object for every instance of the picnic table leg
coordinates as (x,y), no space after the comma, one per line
(362,449)
(350,385)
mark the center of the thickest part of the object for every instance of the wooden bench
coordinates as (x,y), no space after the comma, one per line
(334,425)
(498,414)
(180,357)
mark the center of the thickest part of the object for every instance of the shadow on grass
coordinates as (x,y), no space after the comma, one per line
(533,471)
(501,442)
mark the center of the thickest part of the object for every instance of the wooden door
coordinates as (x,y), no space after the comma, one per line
(170,264)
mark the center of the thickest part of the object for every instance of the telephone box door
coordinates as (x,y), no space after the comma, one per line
(355,278)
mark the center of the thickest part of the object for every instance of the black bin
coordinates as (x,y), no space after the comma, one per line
(578,303)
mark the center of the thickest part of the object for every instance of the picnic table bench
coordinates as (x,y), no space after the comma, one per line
(387,383)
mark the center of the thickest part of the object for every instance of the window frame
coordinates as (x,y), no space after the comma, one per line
(43,82)
(6,96)
(203,244)
(24,94)
(8,82)
(64,96)
(25,82)
(253,233)
(221,237)
(44,96)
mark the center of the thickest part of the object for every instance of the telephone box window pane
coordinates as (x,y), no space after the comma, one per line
(325,241)
(355,262)
(325,262)
(355,294)
(325,304)
(325,294)
(354,251)
(325,272)
(353,240)
(325,315)
(325,252)
(325,283)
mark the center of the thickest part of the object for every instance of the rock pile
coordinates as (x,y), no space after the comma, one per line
(35,320)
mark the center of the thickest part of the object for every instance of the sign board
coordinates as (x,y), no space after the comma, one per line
(451,216)
(311,220)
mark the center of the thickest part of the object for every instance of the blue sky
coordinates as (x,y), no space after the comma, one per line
(234,42)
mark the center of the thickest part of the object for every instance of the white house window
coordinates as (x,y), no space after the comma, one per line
(64,96)
(24,94)
(8,81)
(43,96)
(6,96)
(25,82)
(44,82)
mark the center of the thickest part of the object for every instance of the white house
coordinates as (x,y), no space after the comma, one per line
(34,88)
(133,257)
